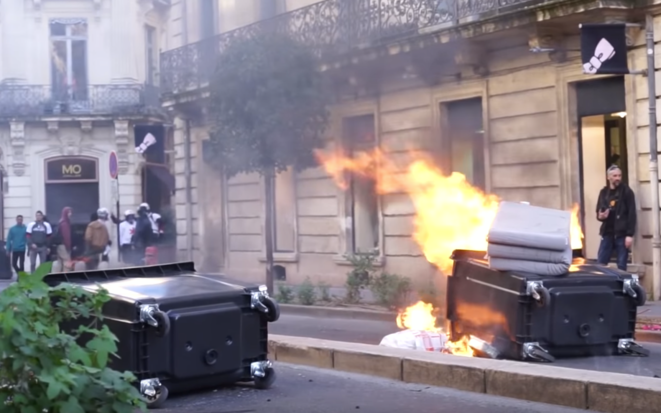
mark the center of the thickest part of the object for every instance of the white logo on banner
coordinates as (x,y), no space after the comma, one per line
(148,141)
(603,52)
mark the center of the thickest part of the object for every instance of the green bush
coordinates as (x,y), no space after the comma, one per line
(285,294)
(307,295)
(390,290)
(324,292)
(360,276)
(44,369)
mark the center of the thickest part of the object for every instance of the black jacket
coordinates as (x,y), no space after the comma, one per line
(625,211)
(144,235)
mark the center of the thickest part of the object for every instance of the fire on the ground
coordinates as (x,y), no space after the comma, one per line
(449,212)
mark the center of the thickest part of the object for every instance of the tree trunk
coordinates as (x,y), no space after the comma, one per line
(268,230)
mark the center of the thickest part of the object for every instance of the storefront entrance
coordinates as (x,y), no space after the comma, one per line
(72,182)
(602,143)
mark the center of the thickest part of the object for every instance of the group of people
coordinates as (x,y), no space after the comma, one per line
(41,242)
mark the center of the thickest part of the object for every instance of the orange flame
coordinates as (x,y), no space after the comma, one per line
(450,213)
(420,316)
(417,317)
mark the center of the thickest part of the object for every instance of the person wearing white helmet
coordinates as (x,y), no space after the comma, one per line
(104,217)
(126,233)
(154,218)
(97,238)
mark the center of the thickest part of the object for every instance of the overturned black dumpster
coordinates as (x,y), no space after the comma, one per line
(589,311)
(179,330)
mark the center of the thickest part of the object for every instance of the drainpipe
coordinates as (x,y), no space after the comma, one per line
(189,190)
(654,159)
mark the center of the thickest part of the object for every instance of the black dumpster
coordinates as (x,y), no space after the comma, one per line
(179,330)
(589,311)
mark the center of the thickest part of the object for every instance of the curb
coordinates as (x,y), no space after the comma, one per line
(646,336)
(335,312)
(386,316)
(581,389)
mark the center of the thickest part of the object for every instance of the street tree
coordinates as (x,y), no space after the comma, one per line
(268,111)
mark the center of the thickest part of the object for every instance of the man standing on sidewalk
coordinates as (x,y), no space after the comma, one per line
(616,209)
(16,245)
(38,234)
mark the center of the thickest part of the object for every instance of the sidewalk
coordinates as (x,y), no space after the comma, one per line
(650,310)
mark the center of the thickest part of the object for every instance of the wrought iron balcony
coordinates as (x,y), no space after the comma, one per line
(109,100)
(330,28)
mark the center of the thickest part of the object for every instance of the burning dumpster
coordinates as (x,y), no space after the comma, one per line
(589,311)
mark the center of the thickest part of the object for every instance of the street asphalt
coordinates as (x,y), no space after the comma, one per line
(371,332)
(308,390)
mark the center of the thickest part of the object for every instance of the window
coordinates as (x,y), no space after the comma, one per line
(463,148)
(207,18)
(151,52)
(362,200)
(284,213)
(68,50)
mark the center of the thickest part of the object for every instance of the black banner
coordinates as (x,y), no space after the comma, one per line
(150,142)
(72,169)
(604,49)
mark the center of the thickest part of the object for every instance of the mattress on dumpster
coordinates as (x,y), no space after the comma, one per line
(530,254)
(527,226)
(530,239)
(548,269)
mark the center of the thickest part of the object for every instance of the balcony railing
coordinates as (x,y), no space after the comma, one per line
(39,100)
(330,28)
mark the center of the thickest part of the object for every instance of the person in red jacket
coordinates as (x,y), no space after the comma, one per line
(62,239)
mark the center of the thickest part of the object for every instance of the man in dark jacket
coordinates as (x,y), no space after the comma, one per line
(144,236)
(616,209)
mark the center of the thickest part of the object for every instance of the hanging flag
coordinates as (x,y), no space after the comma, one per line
(604,49)
(150,142)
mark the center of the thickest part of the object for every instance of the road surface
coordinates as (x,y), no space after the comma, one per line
(371,332)
(303,390)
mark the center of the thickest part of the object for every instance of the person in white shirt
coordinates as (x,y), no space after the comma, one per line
(38,235)
(126,232)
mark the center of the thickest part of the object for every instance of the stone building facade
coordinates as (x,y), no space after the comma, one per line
(75,77)
(466,88)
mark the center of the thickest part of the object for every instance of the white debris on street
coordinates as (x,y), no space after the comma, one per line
(416,340)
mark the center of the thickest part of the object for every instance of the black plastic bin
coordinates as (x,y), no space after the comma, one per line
(590,311)
(181,331)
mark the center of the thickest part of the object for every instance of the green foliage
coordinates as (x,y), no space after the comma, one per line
(268,106)
(43,369)
(390,290)
(285,294)
(324,291)
(307,295)
(360,276)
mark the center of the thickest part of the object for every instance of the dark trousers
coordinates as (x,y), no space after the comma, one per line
(606,247)
(128,254)
(18,261)
(93,257)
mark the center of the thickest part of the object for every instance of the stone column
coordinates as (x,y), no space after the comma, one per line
(124,144)
(14,41)
(180,202)
(124,43)
(17,141)
(130,182)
